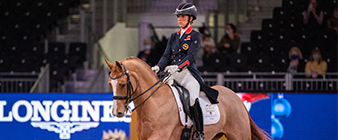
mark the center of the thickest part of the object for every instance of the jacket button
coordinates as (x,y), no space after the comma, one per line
(173,50)
(179,59)
(174,60)
(180,55)
(179,50)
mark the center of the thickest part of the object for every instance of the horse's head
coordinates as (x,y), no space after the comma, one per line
(121,84)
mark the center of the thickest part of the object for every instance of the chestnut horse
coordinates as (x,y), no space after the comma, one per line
(157,112)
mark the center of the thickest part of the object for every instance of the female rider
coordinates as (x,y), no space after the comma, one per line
(179,59)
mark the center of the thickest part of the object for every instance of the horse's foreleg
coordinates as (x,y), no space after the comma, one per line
(154,138)
(164,134)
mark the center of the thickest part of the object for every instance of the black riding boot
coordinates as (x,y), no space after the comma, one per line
(197,117)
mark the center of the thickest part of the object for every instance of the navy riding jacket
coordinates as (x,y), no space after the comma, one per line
(182,52)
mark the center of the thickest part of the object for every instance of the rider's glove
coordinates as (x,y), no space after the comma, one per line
(156,69)
(171,69)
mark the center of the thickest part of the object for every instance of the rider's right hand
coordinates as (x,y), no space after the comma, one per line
(156,69)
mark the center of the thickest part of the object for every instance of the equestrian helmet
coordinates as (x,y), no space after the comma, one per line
(186,9)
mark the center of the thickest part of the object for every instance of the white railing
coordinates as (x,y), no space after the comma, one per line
(237,81)
(17,81)
(252,82)
(272,82)
(41,84)
(328,83)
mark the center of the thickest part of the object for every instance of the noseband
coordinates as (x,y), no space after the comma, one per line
(130,88)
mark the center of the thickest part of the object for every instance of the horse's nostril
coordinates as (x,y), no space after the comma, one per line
(119,114)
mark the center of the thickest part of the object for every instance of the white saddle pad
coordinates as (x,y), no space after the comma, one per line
(210,111)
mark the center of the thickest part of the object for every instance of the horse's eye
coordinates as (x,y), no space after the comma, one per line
(123,85)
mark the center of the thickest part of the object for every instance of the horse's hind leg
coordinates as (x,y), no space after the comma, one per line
(238,135)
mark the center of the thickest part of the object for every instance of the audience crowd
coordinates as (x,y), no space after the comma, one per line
(311,48)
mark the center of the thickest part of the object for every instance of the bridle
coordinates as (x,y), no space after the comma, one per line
(130,88)
(129,85)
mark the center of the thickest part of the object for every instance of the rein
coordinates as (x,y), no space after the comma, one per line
(130,88)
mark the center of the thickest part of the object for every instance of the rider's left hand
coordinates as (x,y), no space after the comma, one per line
(156,69)
(171,69)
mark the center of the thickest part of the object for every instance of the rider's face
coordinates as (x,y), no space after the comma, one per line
(182,20)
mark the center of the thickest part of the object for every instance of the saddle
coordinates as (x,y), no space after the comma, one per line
(185,98)
(183,95)
(211,114)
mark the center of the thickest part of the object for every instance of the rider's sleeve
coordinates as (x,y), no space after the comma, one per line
(192,51)
(165,59)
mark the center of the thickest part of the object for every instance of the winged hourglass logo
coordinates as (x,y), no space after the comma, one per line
(65,128)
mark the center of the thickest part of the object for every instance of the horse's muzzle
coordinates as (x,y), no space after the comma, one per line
(120,114)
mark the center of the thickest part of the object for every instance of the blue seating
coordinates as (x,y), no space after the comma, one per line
(260,61)
(281,37)
(249,48)
(35,17)
(218,62)
(331,61)
(291,4)
(56,49)
(258,37)
(78,51)
(239,62)
(272,49)
(287,30)
(270,25)
(281,15)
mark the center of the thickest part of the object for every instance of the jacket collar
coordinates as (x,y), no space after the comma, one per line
(188,31)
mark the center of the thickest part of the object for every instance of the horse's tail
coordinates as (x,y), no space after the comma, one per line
(257,133)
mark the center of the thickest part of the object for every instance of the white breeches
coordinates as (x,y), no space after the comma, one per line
(188,81)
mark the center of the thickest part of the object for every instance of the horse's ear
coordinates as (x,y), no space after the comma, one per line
(110,65)
(118,64)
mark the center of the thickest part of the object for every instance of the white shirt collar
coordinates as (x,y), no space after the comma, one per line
(183,31)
